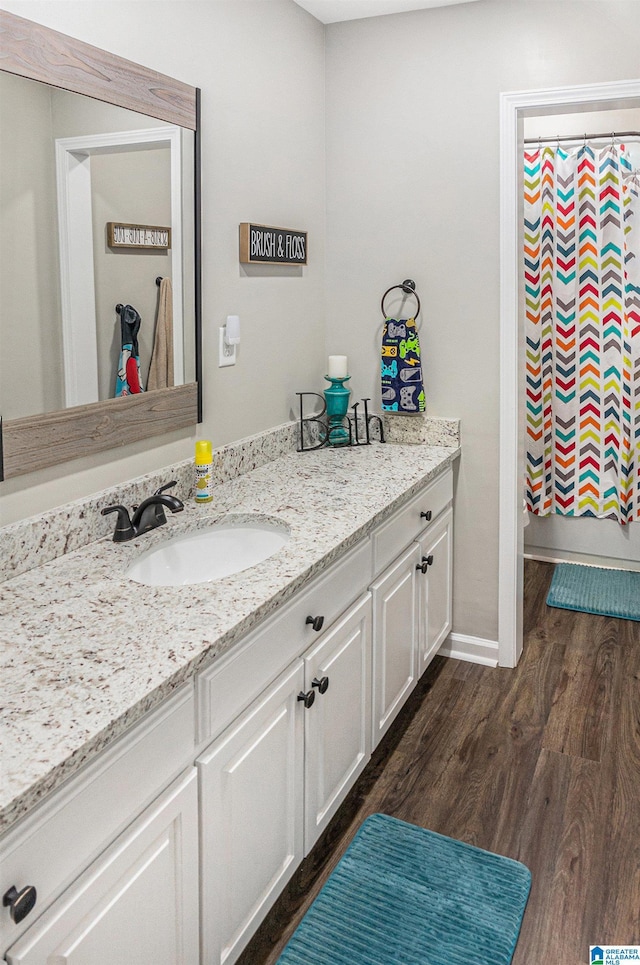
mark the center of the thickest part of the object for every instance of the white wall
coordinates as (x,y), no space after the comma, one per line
(260,66)
(580,539)
(589,122)
(31,376)
(413,191)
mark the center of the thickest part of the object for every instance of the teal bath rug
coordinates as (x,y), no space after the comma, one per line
(591,589)
(401,895)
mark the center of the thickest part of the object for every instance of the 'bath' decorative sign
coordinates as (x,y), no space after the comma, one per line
(137,236)
(262,244)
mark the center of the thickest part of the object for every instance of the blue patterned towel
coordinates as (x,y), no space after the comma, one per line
(402,387)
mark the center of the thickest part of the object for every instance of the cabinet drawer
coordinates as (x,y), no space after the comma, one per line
(50,848)
(229,685)
(407,523)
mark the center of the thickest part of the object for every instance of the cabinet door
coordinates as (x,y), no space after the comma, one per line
(251,814)
(138,903)
(338,723)
(434,588)
(394,639)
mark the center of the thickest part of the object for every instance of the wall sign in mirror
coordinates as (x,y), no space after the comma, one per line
(98,132)
(137,236)
(263,244)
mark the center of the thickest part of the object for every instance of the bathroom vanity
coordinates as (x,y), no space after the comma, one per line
(179,750)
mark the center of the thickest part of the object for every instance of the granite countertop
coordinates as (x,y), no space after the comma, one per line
(86,652)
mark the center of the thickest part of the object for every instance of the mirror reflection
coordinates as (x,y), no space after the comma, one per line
(71,167)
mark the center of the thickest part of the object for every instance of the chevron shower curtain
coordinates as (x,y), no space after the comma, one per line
(582,292)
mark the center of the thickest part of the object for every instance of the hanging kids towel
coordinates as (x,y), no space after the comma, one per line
(402,386)
(128,378)
(161,367)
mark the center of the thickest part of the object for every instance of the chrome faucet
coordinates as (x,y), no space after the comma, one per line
(148,515)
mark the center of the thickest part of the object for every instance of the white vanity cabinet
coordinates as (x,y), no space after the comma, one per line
(411,598)
(138,903)
(145,859)
(274,775)
(251,784)
(395,664)
(113,857)
(270,783)
(337,725)
(434,588)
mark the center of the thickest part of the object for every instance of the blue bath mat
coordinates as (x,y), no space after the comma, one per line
(401,895)
(591,589)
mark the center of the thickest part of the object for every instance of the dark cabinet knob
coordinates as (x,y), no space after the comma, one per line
(322,684)
(316,622)
(426,563)
(426,515)
(307,698)
(19,903)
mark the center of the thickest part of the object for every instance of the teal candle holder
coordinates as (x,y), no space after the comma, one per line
(337,401)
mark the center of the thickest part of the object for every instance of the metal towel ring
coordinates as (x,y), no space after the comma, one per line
(408,286)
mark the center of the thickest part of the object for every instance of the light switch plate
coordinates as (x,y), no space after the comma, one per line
(226,353)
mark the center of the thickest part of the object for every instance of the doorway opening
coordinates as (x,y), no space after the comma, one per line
(84,329)
(514,108)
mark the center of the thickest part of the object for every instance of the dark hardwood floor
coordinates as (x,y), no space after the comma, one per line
(540,763)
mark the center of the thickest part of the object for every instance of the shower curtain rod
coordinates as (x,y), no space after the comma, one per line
(582,137)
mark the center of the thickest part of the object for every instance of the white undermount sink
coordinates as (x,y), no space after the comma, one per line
(209,554)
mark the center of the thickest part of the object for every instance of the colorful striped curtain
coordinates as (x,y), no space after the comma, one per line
(582,292)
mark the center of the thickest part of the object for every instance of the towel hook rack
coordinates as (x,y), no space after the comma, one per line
(408,286)
(159,280)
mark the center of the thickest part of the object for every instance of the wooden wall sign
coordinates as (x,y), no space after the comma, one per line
(137,236)
(263,244)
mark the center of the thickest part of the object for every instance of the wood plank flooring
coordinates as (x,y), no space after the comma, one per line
(540,763)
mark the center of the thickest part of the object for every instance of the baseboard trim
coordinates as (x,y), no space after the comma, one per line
(566,556)
(460,646)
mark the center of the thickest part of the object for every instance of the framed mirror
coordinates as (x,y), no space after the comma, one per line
(100,322)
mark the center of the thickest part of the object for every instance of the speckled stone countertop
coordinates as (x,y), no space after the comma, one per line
(86,652)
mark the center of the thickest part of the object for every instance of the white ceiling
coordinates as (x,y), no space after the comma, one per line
(331,11)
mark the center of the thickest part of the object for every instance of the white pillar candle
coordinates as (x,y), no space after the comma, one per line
(337,368)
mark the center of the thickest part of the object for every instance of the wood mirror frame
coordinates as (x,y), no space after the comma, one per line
(34,442)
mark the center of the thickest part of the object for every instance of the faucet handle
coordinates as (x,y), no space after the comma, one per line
(163,489)
(124,530)
(159,511)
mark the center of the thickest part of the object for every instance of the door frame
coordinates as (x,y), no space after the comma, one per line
(514,107)
(75,238)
